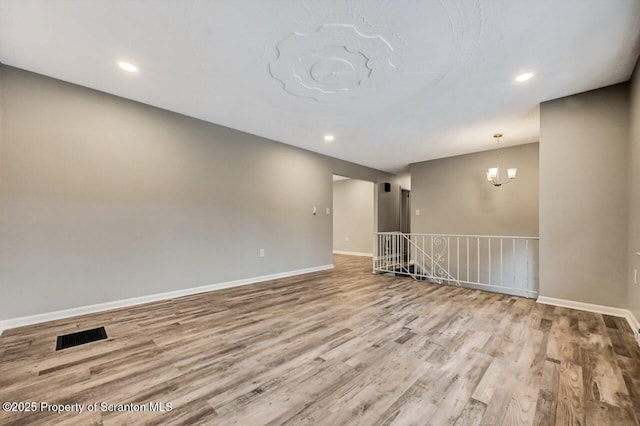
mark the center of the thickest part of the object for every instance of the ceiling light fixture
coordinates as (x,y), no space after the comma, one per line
(493,173)
(524,77)
(128,67)
(329,138)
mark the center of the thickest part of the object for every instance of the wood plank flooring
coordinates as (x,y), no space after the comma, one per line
(341,347)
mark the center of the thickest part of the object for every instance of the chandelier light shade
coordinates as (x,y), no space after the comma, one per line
(493,173)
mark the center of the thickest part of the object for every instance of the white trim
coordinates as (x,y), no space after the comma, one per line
(83,310)
(581,306)
(599,309)
(635,325)
(353,253)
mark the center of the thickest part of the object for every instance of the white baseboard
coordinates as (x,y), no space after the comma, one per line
(353,253)
(599,309)
(581,306)
(83,310)
(635,325)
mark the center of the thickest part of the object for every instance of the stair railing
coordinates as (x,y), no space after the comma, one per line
(506,264)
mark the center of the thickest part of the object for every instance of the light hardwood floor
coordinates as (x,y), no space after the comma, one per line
(337,347)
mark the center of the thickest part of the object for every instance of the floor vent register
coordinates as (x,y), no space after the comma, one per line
(81,338)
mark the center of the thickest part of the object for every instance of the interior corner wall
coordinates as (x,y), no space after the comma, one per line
(104,199)
(404,179)
(584,196)
(453,195)
(633,254)
(353,214)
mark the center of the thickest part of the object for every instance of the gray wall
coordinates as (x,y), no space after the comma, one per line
(388,207)
(353,216)
(583,196)
(633,290)
(389,202)
(103,199)
(454,197)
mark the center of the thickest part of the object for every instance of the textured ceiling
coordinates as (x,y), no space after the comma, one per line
(395,81)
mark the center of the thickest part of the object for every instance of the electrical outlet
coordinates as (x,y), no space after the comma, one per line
(261,252)
(635,276)
(417,212)
(346,239)
(328,210)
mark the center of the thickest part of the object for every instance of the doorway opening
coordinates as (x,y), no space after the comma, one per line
(353,216)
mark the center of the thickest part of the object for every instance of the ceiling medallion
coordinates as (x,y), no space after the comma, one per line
(338,61)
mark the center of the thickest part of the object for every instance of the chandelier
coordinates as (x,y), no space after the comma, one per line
(493,174)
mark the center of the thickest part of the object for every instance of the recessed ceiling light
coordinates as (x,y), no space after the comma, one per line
(128,67)
(524,77)
(329,138)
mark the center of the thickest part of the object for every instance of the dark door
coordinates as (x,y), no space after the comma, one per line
(405,211)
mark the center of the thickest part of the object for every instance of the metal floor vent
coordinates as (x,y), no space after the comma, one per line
(80,338)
